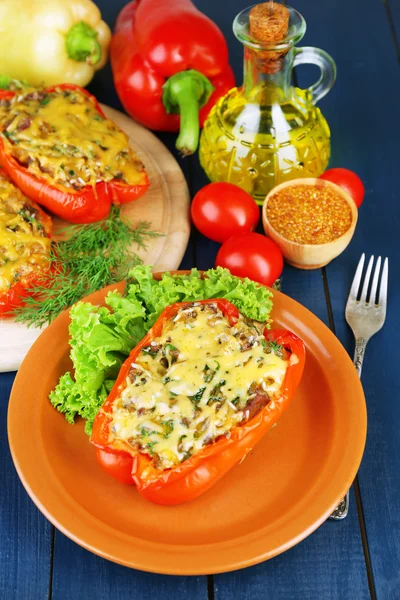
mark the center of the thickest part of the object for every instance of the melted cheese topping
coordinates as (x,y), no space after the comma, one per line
(61,136)
(24,247)
(193,384)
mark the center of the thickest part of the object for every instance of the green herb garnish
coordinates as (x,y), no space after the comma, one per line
(29,219)
(169,427)
(150,446)
(170,347)
(197,396)
(208,374)
(45,100)
(216,394)
(95,255)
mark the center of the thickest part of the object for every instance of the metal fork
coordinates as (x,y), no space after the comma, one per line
(366,317)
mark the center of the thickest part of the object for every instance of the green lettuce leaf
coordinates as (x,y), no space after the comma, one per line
(102,337)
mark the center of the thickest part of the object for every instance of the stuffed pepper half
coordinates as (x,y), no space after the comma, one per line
(24,245)
(193,398)
(59,148)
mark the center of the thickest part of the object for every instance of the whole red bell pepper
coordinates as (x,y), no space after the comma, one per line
(202,470)
(91,203)
(169,60)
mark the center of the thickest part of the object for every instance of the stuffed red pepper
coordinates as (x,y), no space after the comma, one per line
(59,148)
(24,245)
(193,398)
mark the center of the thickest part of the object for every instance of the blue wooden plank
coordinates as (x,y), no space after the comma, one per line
(366,133)
(95,578)
(25,540)
(393,12)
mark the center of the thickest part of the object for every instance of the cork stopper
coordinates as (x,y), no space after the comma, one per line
(269,23)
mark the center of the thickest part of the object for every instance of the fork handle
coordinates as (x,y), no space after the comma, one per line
(359,354)
(342,509)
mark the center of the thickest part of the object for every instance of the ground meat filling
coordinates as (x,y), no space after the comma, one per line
(194,383)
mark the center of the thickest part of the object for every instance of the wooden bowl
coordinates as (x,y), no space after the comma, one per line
(310,256)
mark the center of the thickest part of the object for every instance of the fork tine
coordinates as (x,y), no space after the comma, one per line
(366,280)
(384,284)
(374,287)
(357,278)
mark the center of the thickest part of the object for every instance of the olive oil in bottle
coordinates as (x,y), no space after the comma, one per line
(269,131)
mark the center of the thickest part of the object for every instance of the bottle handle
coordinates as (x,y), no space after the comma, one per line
(315,56)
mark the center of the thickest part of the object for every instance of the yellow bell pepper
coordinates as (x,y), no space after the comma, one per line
(52,41)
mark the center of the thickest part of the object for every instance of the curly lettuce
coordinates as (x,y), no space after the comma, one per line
(101,338)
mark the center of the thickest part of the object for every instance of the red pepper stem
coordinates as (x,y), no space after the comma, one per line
(185,93)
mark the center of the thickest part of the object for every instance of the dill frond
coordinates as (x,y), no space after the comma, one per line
(93,256)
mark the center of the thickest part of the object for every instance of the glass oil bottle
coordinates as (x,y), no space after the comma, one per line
(269,131)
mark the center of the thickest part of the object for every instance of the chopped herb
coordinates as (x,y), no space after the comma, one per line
(29,219)
(169,427)
(45,100)
(236,400)
(149,446)
(97,117)
(173,395)
(146,432)
(277,348)
(180,446)
(216,394)
(170,347)
(172,351)
(197,396)
(208,374)
(71,172)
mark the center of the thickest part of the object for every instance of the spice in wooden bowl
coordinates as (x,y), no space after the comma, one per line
(309,215)
(312,221)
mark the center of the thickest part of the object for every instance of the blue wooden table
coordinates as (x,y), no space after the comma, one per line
(358,558)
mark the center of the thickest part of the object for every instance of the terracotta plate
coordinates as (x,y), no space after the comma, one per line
(281,493)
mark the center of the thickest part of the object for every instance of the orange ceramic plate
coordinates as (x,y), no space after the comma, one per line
(280,494)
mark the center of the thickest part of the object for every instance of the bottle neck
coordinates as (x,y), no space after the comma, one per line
(267,75)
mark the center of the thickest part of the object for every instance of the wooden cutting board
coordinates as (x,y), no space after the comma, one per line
(165,205)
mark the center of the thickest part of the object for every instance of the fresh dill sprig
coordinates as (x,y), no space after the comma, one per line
(93,256)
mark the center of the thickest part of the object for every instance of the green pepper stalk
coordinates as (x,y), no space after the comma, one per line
(82,44)
(185,93)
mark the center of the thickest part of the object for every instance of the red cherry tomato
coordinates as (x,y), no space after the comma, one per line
(220,210)
(347,180)
(251,255)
